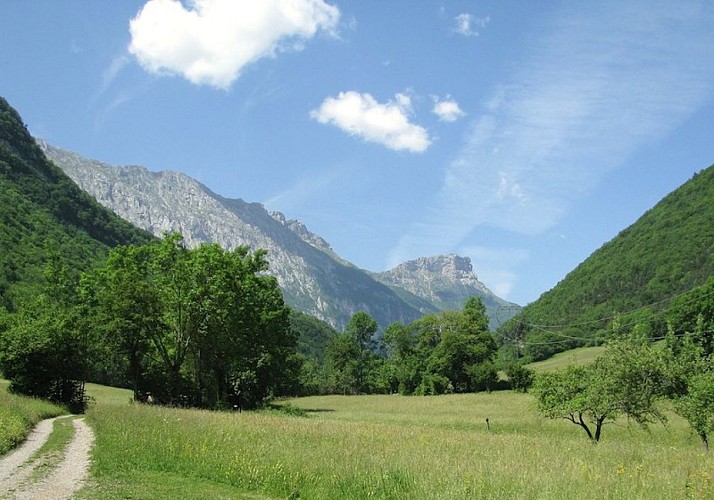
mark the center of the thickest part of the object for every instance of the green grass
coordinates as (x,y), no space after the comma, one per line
(387,447)
(579,356)
(112,396)
(383,447)
(19,414)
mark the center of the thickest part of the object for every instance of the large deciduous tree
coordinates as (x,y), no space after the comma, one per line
(43,347)
(200,326)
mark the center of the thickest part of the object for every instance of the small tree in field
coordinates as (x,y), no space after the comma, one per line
(627,380)
(691,380)
(697,406)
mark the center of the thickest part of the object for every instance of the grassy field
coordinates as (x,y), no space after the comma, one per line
(19,414)
(381,447)
(385,447)
(579,356)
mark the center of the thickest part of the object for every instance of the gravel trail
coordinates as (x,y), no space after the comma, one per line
(62,481)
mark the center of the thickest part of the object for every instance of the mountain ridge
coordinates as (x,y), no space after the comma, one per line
(313,277)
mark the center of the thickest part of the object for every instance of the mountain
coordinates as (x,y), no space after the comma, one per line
(314,279)
(446,281)
(44,215)
(666,252)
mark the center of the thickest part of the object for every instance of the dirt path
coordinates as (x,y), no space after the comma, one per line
(62,481)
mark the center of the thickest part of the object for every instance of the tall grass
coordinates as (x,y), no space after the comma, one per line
(18,414)
(388,447)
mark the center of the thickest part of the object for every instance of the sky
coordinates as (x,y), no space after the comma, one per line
(523,135)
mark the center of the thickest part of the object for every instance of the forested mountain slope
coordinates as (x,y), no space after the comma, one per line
(668,251)
(44,214)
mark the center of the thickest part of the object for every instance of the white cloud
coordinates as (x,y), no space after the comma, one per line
(599,85)
(212,40)
(387,124)
(469,25)
(447,109)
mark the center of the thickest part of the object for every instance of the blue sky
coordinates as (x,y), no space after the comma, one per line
(521,134)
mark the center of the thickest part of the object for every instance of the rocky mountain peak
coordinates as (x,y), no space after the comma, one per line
(447,281)
(451,267)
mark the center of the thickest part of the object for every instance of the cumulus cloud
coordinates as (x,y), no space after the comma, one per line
(469,25)
(387,124)
(447,109)
(210,41)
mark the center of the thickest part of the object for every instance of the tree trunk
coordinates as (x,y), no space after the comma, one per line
(582,424)
(598,428)
(705,442)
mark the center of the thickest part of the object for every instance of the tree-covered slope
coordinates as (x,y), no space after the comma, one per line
(668,251)
(43,212)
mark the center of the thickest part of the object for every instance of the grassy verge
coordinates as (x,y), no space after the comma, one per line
(19,414)
(387,447)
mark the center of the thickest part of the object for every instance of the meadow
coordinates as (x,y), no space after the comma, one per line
(385,447)
(378,447)
(578,356)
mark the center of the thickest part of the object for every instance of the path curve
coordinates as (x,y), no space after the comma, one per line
(13,460)
(64,480)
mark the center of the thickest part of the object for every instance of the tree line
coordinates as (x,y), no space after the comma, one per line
(207,327)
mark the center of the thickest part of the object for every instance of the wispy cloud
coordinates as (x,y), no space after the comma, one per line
(469,25)
(212,40)
(382,123)
(601,83)
(111,73)
(489,264)
(298,195)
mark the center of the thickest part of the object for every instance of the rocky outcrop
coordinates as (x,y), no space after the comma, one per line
(446,281)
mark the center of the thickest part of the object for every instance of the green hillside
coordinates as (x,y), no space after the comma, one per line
(667,252)
(43,213)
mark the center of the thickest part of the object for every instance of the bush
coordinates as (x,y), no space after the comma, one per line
(521,378)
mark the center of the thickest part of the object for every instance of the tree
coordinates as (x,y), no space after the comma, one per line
(362,327)
(691,379)
(341,361)
(465,350)
(43,347)
(448,352)
(697,405)
(126,306)
(199,326)
(520,377)
(695,310)
(626,380)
